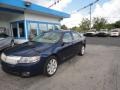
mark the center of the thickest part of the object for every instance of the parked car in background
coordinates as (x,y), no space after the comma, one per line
(43,53)
(90,33)
(5,41)
(114,33)
(103,33)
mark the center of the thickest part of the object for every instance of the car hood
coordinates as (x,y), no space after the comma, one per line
(91,32)
(103,32)
(28,49)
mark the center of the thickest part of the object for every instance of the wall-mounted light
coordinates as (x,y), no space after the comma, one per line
(27,3)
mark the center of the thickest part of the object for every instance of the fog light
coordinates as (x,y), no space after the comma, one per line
(25,74)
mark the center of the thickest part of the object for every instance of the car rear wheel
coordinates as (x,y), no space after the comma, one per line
(51,66)
(82,51)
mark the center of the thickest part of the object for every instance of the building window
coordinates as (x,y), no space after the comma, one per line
(57,27)
(15,30)
(18,29)
(21,29)
(43,27)
(50,27)
(33,29)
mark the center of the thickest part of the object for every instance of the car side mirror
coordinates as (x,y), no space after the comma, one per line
(64,43)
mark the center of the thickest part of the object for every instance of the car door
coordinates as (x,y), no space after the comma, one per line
(4,40)
(77,42)
(66,49)
(1,42)
(7,41)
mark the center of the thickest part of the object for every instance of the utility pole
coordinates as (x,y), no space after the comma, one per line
(89,5)
(90,17)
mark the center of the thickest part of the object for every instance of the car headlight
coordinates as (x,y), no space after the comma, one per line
(3,56)
(10,59)
(29,59)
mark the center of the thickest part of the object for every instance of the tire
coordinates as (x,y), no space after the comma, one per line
(50,66)
(12,43)
(82,50)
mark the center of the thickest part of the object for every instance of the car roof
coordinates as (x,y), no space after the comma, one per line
(62,31)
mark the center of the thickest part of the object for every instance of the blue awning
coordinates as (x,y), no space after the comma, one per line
(33,7)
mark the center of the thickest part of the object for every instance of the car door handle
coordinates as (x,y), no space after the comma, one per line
(74,42)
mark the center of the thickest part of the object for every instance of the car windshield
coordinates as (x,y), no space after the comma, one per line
(48,37)
(114,31)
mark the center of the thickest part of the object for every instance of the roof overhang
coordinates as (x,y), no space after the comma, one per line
(19,5)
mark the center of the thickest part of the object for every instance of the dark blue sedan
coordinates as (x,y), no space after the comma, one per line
(43,54)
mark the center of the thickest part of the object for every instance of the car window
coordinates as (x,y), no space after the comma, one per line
(81,34)
(76,36)
(67,38)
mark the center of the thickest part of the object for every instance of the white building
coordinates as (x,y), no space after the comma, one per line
(19,19)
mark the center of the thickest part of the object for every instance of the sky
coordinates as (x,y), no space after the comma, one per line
(109,9)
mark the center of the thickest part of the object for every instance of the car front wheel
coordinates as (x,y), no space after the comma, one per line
(51,66)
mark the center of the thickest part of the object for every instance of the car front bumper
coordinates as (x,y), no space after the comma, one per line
(23,69)
(114,34)
(102,34)
(89,34)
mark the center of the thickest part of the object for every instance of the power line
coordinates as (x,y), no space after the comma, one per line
(86,6)
(89,5)
(111,17)
(107,17)
(55,2)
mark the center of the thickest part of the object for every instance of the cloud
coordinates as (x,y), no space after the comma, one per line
(74,20)
(109,10)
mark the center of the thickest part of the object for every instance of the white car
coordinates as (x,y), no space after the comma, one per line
(103,33)
(114,33)
(90,33)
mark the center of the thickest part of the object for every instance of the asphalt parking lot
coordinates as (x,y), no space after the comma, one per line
(105,41)
(98,69)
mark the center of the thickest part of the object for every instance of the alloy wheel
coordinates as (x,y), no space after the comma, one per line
(52,66)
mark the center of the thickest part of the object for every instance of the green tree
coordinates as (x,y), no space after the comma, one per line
(75,28)
(83,26)
(117,24)
(99,23)
(64,27)
(110,26)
